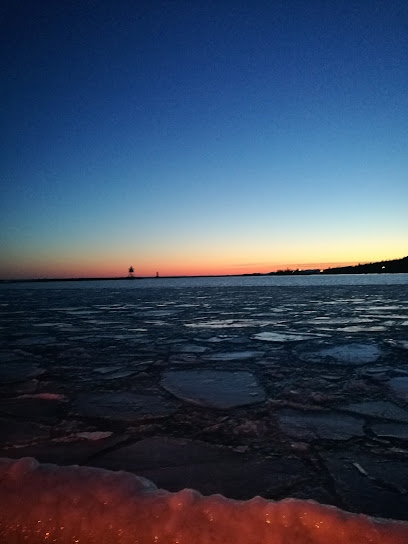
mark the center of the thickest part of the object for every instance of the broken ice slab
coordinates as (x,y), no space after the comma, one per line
(234,355)
(311,425)
(221,338)
(282,337)
(126,406)
(118,375)
(184,359)
(241,339)
(9,356)
(189,348)
(75,353)
(391,430)
(380,409)
(346,354)
(362,328)
(21,432)
(342,320)
(399,386)
(353,353)
(94,435)
(15,372)
(113,372)
(403,344)
(64,450)
(158,313)
(41,408)
(229,323)
(105,369)
(212,388)
(381,492)
(36,341)
(174,463)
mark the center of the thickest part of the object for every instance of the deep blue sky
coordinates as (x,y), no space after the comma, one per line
(202,136)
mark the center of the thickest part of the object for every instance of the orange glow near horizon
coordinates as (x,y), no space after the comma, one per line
(74,269)
(204,256)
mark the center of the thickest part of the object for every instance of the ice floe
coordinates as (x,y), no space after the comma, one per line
(216,389)
(122,406)
(379,409)
(281,337)
(311,425)
(347,354)
(399,386)
(234,355)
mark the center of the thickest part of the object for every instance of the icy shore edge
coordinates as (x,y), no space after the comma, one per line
(50,503)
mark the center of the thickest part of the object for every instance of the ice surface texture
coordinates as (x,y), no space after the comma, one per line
(47,503)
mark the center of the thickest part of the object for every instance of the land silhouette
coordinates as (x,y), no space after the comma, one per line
(394,266)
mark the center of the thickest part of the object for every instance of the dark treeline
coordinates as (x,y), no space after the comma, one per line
(388,267)
(382,267)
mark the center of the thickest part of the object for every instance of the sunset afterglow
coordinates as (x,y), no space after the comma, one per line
(193,139)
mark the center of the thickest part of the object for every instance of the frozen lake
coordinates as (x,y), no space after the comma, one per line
(276,386)
(202,314)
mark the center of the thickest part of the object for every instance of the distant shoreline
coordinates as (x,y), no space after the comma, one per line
(53,280)
(135,278)
(395,266)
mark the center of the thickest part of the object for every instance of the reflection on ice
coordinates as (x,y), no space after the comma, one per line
(399,343)
(343,320)
(220,338)
(358,328)
(281,337)
(230,323)
(234,355)
(190,348)
(382,308)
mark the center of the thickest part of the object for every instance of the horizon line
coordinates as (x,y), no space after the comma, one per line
(284,268)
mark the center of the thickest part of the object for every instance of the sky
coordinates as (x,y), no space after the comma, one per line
(201,137)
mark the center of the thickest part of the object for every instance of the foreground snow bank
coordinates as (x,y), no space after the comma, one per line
(47,503)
